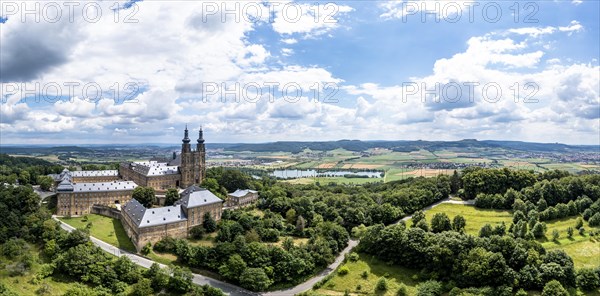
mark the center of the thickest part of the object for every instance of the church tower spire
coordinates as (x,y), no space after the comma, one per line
(186,147)
(200,136)
(186,138)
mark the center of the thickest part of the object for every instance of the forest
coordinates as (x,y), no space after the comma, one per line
(502,259)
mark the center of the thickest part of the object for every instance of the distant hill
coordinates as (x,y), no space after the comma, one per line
(407,146)
(42,150)
(350,145)
(22,161)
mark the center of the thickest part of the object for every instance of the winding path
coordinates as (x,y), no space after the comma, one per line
(234,290)
(146,263)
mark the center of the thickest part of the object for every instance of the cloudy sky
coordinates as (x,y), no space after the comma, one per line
(269,71)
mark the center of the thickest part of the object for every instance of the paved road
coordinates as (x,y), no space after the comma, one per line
(312,281)
(234,290)
(43,194)
(146,263)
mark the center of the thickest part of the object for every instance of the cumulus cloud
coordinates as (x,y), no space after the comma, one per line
(496,85)
(535,32)
(30,49)
(307,20)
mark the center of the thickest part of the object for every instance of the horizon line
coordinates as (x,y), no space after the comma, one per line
(291,141)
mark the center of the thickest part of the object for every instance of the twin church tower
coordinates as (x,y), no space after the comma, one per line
(193,162)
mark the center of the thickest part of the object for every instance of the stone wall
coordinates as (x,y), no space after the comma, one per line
(106,211)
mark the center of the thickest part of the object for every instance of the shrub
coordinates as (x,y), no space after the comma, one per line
(595,220)
(570,231)
(521,292)
(554,288)
(166,244)
(343,270)
(429,288)
(146,249)
(382,285)
(353,257)
(581,231)
(587,279)
(142,287)
(197,232)
(555,235)
(402,291)
(440,222)
(538,230)
(322,282)
(579,223)
(13,248)
(44,290)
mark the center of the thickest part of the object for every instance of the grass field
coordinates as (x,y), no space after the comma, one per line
(584,250)
(297,241)
(376,269)
(476,218)
(163,258)
(105,229)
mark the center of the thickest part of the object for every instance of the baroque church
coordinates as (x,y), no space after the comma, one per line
(183,170)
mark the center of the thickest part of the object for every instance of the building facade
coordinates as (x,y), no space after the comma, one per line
(144,225)
(241,198)
(74,199)
(158,175)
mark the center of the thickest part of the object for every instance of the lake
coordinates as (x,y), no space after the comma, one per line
(286,174)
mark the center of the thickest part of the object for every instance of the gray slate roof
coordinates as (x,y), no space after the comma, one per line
(154,168)
(65,185)
(143,217)
(240,193)
(95,173)
(66,174)
(176,161)
(195,196)
(104,186)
